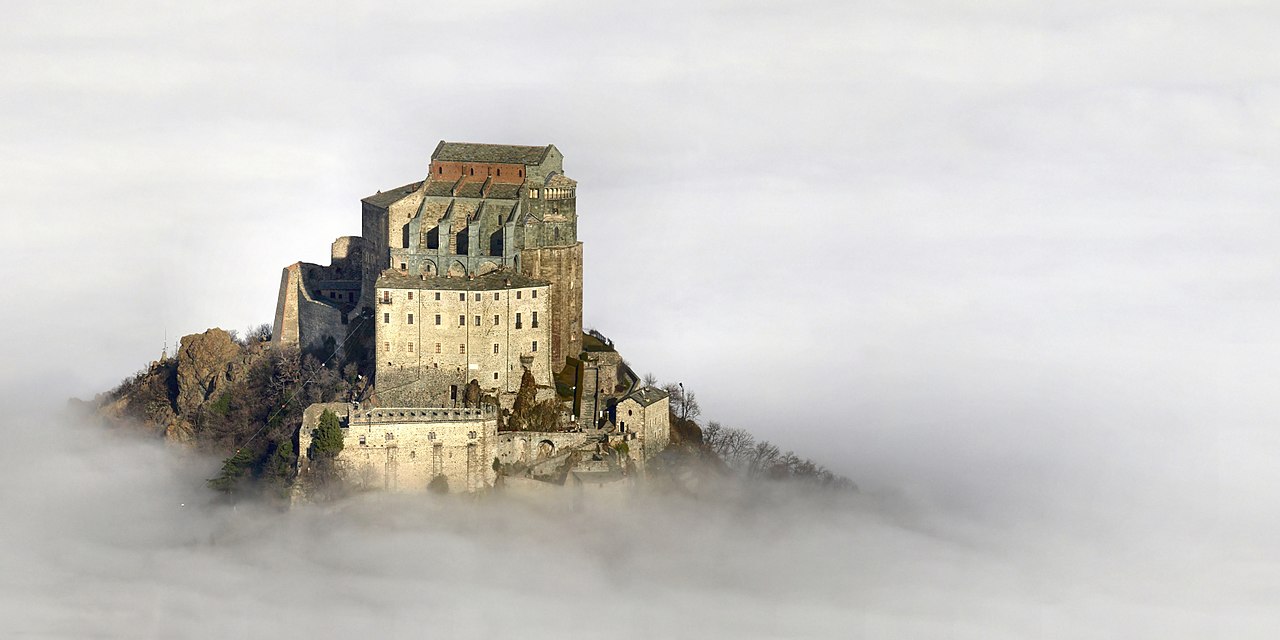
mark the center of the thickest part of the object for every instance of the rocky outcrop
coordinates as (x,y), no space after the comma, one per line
(206,363)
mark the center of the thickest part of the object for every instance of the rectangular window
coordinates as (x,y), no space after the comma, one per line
(495,375)
(403,266)
(495,295)
(386,297)
(535,319)
(535,293)
(462,297)
(535,345)
(477,297)
(386,318)
(386,346)
(410,295)
(362,440)
(517,295)
(437,318)
(332,295)
(462,321)
(437,347)
(437,295)
(462,348)
(477,321)
(410,347)
(495,321)
(517,321)
(495,349)
(533,322)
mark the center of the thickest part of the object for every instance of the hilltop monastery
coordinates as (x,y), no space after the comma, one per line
(470,278)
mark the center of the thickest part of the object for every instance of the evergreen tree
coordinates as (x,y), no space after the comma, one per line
(233,469)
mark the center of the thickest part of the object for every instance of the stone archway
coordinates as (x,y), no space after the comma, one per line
(486,267)
(428,268)
(546,449)
(457,269)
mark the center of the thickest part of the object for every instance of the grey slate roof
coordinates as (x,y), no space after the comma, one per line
(392,279)
(504,153)
(385,199)
(647,395)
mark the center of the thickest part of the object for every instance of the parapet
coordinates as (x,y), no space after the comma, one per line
(393,415)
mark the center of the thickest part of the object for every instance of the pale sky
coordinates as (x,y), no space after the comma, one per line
(1012,259)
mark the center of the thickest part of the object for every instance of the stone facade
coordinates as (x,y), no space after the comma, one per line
(646,413)
(404,449)
(318,301)
(436,334)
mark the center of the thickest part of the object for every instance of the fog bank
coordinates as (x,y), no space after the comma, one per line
(109,536)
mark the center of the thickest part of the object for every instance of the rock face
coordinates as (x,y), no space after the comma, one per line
(206,362)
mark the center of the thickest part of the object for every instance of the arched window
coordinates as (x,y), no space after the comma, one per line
(499,172)
(473,171)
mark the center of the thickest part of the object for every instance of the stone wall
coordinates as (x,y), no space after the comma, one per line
(562,266)
(403,449)
(646,414)
(429,337)
(301,318)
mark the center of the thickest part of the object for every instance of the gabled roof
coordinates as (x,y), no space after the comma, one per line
(384,199)
(503,153)
(646,395)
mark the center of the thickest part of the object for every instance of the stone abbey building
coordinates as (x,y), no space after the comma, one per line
(471,276)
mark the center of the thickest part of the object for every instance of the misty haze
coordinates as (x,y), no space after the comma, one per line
(1011,269)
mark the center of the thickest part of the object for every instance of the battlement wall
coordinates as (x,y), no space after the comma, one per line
(406,448)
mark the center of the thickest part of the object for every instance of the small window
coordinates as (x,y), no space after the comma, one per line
(462,297)
(386,318)
(403,266)
(517,321)
(533,322)
(499,171)
(520,173)
(535,293)
(462,321)
(386,346)
(431,435)
(477,297)
(332,295)
(473,171)
(462,348)
(535,345)
(495,295)
(495,349)
(471,434)
(362,440)
(518,295)
(477,321)
(437,295)
(410,295)
(495,321)
(535,319)
(495,375)
(410,347)
(437,318)
(437,347)
(386,296)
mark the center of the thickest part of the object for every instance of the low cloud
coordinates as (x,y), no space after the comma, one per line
(107,535)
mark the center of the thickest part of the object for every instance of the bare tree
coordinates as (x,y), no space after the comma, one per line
(650,380)
(684,404)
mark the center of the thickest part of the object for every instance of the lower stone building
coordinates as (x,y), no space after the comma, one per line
(406,448)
